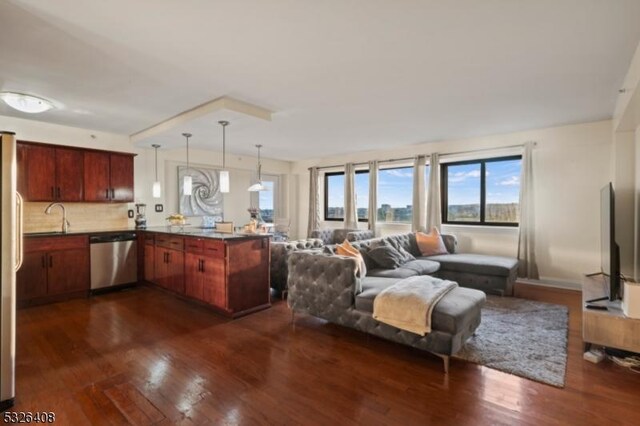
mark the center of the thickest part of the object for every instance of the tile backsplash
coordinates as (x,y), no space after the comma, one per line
(81,216)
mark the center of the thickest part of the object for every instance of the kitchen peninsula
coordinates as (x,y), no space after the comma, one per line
(228,272)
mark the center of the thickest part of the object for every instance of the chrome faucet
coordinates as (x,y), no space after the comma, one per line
(65,222)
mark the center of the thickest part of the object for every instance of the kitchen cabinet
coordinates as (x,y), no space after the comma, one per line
(169,263)
(50,173)
(54,268)
(108,176)
(230,275)
(149,257)
(58,173)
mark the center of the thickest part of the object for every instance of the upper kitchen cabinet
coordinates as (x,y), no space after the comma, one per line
(108,176)
(50,173)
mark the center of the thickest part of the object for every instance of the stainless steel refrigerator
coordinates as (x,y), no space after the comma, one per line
(11,251)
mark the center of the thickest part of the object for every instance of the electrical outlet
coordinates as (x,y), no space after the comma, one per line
(159,208)
(130,214)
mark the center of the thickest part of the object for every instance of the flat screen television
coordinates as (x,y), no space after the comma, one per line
(609,249)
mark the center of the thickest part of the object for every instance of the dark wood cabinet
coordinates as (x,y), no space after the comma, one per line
(193,276)
(31,278)
(149,261)
(169,262)
(49,173)
(121,177)
(108,176)
(69,176)
(230,275)
(57,173)
(96,176)
(54,268)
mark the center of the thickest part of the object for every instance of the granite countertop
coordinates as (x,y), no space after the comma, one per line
(193,231)
(187,231)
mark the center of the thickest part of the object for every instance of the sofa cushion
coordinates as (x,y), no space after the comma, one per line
(386,257)
(453,313)
(422,266)
(476,263)
(431,244)
(392,273)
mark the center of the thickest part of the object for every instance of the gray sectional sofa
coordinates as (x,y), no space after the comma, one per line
(280,251)
(328,286)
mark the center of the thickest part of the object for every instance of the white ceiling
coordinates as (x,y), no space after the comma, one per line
(341,76)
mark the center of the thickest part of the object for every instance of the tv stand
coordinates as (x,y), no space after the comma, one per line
(610,328)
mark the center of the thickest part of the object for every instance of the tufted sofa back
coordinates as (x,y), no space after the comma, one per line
(336,236)
(278,268)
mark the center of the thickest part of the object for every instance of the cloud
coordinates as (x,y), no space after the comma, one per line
(510,181)
(462,176)
(399,173)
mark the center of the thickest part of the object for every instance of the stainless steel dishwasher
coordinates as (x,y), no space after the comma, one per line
(114,259)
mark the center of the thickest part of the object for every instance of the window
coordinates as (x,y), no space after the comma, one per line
(482,192)
(266,201)
(395,195)
(334,195)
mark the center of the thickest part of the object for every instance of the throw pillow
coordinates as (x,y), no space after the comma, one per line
(386,256)
(346,249)
(431,244)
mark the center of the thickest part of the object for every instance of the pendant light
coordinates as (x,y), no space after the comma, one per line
(258,186)
(187,183)
(157,188)
(224,173)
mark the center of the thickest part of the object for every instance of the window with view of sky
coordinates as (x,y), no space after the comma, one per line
(265,202)
(335,195)
(502,191)
(395,194)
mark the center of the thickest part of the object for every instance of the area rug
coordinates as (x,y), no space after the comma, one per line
(521,337)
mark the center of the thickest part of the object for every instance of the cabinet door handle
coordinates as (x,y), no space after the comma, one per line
(113,194)
(202,260)
(59,193)
(107,194)
(166,260)
(168,257)
(199,265)
(53,194)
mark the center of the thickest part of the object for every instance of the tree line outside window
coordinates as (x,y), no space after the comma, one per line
(479,192)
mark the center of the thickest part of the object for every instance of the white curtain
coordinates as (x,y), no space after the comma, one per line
(314,202)
(350,214)
(434,208)
(373,195)
(419,219)
(526,231)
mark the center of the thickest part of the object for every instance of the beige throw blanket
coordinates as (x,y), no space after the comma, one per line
(408,304)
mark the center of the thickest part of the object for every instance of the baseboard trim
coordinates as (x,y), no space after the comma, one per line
(565,285)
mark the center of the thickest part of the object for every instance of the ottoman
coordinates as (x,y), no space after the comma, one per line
(455,318)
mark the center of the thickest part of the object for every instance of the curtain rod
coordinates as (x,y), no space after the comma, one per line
(393,160)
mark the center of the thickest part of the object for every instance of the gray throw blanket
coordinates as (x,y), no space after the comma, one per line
(408,304)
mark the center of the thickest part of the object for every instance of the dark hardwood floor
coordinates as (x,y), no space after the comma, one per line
(144,357)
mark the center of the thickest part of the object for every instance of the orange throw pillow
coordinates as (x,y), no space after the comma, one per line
(431,244)
(347,249)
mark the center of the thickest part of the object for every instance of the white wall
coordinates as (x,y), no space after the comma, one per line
(571,164)
(242,168)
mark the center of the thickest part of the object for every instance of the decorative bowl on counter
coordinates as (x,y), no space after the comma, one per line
(177,219)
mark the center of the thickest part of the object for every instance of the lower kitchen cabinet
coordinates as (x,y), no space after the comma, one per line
(231,275)
(54,268)
(169,269)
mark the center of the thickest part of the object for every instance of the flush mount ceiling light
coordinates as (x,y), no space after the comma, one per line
(26,103)
(187,184)
(157,188)
(258,186)
(224,173)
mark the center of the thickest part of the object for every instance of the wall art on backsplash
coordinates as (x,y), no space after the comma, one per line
(205,198)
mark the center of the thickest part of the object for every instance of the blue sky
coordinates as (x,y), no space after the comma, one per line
(395,186)
(265,198)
